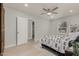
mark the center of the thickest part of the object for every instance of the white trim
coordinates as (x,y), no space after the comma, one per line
(9,46)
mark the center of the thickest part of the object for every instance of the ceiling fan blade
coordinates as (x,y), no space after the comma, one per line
(54,8)
(45,9)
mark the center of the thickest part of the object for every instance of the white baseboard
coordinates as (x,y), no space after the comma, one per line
(8,46)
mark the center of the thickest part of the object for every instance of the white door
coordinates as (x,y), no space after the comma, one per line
(22,30)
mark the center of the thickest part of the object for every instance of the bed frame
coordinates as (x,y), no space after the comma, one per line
(52,50)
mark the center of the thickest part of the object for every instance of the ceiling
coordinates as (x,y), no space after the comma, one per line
(36,9)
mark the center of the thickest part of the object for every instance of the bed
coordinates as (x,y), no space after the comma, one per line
(58,42)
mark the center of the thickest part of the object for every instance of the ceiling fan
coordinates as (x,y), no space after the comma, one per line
(49,11)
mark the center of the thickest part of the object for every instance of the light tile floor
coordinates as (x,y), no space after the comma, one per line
(28,49)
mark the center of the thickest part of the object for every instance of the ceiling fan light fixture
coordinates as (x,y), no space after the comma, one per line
(49,13)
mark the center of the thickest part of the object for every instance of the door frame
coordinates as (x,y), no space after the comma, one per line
(2,29)
(33,30)
(17,29)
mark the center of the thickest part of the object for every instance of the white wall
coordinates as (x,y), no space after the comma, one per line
(41,26)
(71,20)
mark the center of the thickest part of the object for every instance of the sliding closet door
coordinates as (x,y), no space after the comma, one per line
(22,30)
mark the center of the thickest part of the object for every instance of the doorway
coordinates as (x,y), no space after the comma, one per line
(33,30)
(22,30)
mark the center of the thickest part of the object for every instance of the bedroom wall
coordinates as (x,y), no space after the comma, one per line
(71,20)
(10,26)
(41,26)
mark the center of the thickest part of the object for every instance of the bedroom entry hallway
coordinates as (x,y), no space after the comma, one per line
(22,31)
